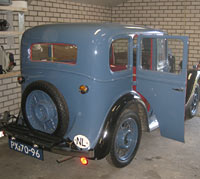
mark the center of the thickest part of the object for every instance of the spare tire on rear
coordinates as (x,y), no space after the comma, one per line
(44,109)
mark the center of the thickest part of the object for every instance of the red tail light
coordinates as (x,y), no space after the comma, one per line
(84,160)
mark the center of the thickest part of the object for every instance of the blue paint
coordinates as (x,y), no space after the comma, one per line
(42,112)
(88,112)
(158,88)
(126,139)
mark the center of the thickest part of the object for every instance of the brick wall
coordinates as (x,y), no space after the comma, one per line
(10,94)
(177,17)
(44,12)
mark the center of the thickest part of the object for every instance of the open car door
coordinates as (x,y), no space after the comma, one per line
(161,78)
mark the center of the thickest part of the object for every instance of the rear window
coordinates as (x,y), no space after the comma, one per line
(61,53)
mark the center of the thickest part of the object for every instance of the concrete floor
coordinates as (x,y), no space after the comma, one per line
(157,158)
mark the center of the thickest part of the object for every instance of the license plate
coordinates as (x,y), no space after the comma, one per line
(26,149)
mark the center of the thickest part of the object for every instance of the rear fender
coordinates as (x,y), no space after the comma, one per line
(103,146)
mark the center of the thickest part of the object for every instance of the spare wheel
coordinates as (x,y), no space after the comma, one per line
(44,109)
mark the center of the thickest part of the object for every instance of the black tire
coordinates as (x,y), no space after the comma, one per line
(128,142)
(44,109)
(193,108)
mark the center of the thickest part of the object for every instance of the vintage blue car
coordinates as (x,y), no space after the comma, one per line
(89,90)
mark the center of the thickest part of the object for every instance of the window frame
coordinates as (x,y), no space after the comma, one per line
(129,64)
(168,37)
(154,55)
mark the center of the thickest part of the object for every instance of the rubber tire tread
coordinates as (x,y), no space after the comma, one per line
(111,158)
(59,101)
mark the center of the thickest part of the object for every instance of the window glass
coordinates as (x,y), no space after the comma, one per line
(119,55)
(135,50)
(175,55)
(163,55)
(63,53)
(146,55)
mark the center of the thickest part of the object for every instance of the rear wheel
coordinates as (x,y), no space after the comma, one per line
(125,140)
(195,103)
(44,109)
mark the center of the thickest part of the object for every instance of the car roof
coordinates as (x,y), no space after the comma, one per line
(84,30)
(93,42)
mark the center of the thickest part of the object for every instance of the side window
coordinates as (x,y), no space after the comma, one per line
(119,55)
(135,50)
(158,54)
(62,53)
(146,53)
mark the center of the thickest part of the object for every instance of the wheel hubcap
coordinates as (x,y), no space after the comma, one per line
(126,139)
(41,112)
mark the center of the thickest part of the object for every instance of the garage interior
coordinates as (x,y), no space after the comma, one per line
(157,157)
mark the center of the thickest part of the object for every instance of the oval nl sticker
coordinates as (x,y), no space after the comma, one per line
(81,141)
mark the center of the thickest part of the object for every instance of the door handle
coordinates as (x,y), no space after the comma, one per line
(178,89)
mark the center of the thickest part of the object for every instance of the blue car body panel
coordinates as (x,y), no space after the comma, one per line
(166,93)
(88,112)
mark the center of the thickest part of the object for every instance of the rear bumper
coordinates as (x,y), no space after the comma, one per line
(67,151)
(47,142)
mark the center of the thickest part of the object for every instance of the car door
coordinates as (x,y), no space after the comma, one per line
(161,79)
